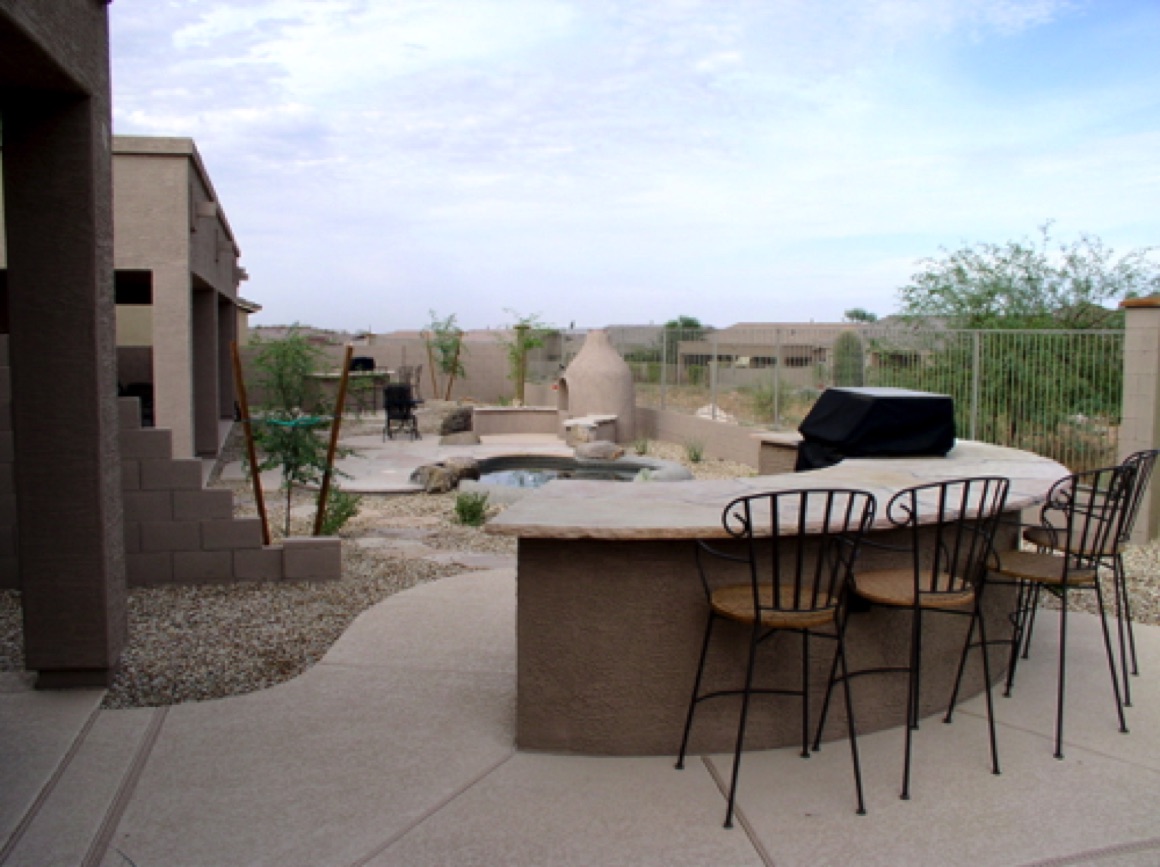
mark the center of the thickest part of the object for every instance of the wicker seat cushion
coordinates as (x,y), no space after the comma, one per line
(1044,538)
(1042,568)
(736,602)
(896,587)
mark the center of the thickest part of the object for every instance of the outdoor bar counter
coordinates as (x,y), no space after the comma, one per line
(610,610)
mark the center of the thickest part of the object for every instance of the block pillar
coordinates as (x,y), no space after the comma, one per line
(1140,427)
(67,468)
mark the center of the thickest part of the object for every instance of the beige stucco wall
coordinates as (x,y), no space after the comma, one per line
(167,220)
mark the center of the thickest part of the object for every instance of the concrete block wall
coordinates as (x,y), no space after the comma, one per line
(177,532)
(724,441)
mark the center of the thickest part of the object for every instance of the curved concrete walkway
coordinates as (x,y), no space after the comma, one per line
(397,749)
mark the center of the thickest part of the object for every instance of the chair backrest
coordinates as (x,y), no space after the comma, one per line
(951,527)
(397,397)
(804,577)
(1144,462)
(1085,512)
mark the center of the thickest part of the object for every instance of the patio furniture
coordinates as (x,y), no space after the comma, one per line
(1143,462)
(782,589)
(399,411)
(1080,528)
(949,528)
(875,423)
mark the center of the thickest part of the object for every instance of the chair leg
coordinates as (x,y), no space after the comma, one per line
(978,615)
(850,724)
(696,691)
(1124,626)
(1111,657)
(1061,675)
(740,747)
(805,754)
(825,712)
(959,674)
(912,695)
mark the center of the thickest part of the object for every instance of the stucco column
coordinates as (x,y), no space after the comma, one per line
(58,203)
(1140,427)
(205,372)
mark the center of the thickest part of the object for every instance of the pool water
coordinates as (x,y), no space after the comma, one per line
(535,477)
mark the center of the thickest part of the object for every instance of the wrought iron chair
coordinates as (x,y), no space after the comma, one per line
(1080,529)
(950,528)
(1144,462)
(796,551)
(399,411)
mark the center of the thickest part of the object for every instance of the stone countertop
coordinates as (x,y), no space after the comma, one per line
(692,510)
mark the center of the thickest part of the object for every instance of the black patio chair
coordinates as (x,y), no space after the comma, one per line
(796,550)
(950,528)
(1080,528)
(400,411)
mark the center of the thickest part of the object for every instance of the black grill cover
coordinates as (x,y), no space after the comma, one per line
(875,423)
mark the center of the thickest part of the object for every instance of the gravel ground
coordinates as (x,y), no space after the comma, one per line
(204,642)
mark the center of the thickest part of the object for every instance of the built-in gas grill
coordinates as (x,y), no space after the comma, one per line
(875,423)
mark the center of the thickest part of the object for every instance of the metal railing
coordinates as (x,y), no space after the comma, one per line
(1057,393)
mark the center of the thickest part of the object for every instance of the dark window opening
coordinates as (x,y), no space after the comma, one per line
(133,287)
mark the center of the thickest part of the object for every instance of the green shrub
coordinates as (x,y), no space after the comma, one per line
(471,508)
(640,445)
(341,506)
(695,451)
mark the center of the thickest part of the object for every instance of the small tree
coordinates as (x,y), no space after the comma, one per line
(528,333)
(444,341)
(287,429)
(859,314)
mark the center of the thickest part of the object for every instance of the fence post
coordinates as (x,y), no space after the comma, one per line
(976,372)
(1140,424)
(664,363)
(777,361)
(713,381)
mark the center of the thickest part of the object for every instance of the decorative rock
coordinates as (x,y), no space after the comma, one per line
(464,438)
(464,467)
(439,480)
(599,451)
(456,421)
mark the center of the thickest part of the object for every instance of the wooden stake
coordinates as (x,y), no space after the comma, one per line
(335,427)
(251,452)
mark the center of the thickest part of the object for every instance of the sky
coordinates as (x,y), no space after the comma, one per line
(599,162)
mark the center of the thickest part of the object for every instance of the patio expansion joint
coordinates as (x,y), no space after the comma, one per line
(49,787)
(739,814)
(432,811)
(1094,856)
(99,848)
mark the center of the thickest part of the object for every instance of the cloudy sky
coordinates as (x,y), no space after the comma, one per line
(627,161)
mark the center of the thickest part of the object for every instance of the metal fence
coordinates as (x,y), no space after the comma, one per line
(1057,393)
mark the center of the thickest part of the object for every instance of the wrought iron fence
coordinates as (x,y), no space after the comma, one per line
(1057,393)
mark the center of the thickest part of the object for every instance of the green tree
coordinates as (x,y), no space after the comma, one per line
(849,364)
(445,349)
(859,314)
(288,426)
(682,328)
(528,333)
(1028,284)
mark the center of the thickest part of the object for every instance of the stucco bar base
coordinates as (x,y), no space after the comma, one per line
(609,634)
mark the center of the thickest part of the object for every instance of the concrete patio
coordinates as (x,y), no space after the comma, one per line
(397,749)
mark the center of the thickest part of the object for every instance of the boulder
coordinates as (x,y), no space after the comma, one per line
(463,467)
(456,421)
(599,451)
